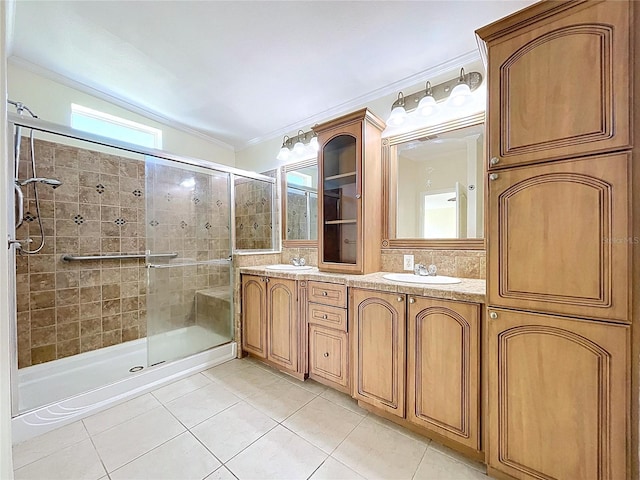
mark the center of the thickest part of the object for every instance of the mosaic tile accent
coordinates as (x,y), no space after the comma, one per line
(100,188)
(137,193)
(207,225)
(29,217)
(119,221)
(154,223)
(78,219)
(183,224)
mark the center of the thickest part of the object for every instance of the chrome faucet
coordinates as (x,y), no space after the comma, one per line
(423,270)
(298,261)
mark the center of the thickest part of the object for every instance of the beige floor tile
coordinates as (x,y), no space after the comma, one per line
(135,437)
(248,381)
(398,428)
(323,423)
(481,467)
(197,406)
(48,443)
(181,387)
(436,466)
(311,385)
(121,413)
(280,454)
(225,369)
(376,451)
(231,431)
(182,457)
(280,399)
(221,474)
(343,400)
(332,469)
(75,462)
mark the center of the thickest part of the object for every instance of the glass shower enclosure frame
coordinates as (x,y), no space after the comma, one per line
(202,267)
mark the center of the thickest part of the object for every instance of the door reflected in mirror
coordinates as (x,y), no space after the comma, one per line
(301,201)
(439,190)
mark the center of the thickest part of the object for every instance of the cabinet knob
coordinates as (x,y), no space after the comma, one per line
(493,176)
(324,294)
(358,195)
(494,160)
(412,300)
(324,317)
(493,315)
(326,354)
(266,280)
(400,298)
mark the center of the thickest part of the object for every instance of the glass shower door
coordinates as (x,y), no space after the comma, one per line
(188,260)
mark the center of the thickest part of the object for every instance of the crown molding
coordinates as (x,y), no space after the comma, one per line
(68,82)
(422,76)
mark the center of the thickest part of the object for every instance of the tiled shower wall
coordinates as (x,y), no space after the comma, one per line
(302,223)
(65,308)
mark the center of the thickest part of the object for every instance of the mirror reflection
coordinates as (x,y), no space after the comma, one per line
(440,185)
(301,201)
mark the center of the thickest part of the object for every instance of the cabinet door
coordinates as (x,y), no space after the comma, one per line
(254,315)
(559,238)
(443,368)
(282,326)
(378,349)
(558,398)
(561,88)
(328,354)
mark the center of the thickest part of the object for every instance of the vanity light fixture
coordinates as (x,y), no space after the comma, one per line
(424,103)
(284,153)
(398,113)
(427,105)
(461,92)
(304,145)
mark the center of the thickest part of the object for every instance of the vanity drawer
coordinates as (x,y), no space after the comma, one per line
(328,294)
(332,317)
(329,357)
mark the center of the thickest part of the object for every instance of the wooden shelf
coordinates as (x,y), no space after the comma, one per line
(340,222)
(337,181)
(339,176)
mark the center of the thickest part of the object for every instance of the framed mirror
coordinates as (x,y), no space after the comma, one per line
(434,186)
(300,204)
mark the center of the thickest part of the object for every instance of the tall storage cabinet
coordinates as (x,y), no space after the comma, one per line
(349,193)
(561,241)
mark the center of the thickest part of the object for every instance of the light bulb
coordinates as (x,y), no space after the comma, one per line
(398,116)
(298,148)
(460,95)
(427,106)
(188,183)
(314,144)
(284,154)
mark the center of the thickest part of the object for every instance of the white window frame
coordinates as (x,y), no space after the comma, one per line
(81,110)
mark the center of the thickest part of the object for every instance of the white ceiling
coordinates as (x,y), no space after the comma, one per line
(246,71)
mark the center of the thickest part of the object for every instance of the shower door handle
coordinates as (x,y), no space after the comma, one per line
(20,202)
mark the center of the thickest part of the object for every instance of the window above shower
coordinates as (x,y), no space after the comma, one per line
(111,126)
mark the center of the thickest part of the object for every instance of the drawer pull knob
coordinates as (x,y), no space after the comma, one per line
(324,294)
(412,300)
(400,299)
(493,176)
(326,354)
(324,316)
(494,160)
(493,315)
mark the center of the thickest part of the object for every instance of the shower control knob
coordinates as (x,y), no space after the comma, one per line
(494,160)
(493,176)
(493,315)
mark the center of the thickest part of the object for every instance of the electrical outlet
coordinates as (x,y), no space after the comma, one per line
(408,262)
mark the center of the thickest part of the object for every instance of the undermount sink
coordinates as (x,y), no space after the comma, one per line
(285,267)
(424,279)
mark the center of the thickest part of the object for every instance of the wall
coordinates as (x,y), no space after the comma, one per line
(51,101)
(65,308)
(6,315)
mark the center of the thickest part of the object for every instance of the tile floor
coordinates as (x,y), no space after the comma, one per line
(238,420)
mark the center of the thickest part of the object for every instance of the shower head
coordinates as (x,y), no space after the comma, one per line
(47,181)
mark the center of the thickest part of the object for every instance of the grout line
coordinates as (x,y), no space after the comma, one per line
(96,450)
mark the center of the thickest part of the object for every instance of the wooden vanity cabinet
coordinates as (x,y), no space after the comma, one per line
(270,320)
(328,338)
(443,368)
(350,193)
(558,396)
(569,61)
(378,327)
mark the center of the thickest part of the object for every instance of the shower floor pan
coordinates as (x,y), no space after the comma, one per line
(73,387)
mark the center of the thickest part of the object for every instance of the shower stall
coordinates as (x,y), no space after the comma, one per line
(134,275)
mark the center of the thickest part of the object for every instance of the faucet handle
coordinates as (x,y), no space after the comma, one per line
(302,262)
(295,261)
(419,269)
(431,270)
